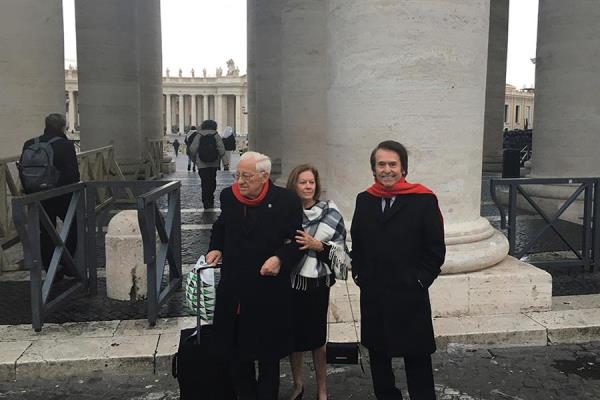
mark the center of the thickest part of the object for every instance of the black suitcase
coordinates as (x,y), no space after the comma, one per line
(200,372)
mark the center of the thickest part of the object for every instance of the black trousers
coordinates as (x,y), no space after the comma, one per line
(267,385)
(208,181)
(419,377)
(57,207)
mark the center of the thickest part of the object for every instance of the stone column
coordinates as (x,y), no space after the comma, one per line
(219,111)
(193,121)
(71,110)
(251,73)
(304,85)
(181,110)
(204,108)
(495,86)
(119,76)
(238,114)
(425,90)
(32,74)
(150,68)
(567,97)
(267,75)
(168,113)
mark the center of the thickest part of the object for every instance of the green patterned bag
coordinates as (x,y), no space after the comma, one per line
(207,277)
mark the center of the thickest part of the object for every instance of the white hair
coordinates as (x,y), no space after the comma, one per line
(263,162)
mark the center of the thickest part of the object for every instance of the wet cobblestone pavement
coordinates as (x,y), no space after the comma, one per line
(562,372)
(15,302)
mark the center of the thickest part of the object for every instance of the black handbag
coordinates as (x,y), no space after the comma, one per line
(342,353)
(345,352)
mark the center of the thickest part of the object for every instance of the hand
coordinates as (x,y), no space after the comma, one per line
(271,267)
(308,242)
(355,279)
(213,257)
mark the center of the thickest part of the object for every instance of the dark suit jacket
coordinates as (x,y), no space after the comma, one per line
(247,237)
(397,256)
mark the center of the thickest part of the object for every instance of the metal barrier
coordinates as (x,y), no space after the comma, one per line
(98,164)
(85,208)
(590,239)
(30,217)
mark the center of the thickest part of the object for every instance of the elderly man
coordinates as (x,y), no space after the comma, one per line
(254,238)
(397,252)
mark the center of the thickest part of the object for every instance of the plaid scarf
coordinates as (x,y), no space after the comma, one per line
(324,222)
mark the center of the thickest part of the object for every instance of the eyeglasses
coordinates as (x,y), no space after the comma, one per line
(244,176)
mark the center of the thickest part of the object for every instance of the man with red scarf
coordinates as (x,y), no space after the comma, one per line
(397,252)
(254,238)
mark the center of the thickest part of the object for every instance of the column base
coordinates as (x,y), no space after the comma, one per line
(510,287)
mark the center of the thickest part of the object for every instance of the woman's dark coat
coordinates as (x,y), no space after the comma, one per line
(247,237)
(396,257)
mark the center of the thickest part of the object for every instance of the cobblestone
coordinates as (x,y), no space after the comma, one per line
(548,373)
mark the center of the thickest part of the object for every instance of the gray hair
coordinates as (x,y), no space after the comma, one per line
(263,162)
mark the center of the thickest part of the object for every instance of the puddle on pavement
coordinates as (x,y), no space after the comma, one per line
(585,367)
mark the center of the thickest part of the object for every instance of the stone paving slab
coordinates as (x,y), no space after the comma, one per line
(10,352)
(167,346)
(506,330)
(94,329)
(49,359)
(587,301)
(140,327)
(570,326)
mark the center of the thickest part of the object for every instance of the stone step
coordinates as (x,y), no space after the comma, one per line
(77,349)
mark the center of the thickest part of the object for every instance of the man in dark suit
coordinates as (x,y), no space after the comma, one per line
(254,238)
(397,252)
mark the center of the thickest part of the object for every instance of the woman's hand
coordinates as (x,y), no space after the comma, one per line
(213,257)
(308,242)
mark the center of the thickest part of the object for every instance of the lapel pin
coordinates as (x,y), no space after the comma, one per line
(270,205)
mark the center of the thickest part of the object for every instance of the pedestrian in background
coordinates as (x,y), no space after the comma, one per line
(208,149)
(176,147)
(189,138)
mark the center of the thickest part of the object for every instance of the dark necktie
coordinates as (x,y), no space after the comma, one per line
(388,205)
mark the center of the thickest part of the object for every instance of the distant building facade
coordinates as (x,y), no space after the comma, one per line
(187,100)
(518,108)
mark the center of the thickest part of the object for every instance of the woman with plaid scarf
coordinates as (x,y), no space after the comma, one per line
(326,258)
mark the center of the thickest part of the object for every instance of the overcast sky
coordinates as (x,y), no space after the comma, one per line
(206,33)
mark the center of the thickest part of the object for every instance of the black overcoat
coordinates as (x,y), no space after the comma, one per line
(247,236)
(397,256)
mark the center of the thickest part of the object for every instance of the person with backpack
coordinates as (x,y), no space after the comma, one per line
(228,137)
(50,161)
(208,149)
(189,138)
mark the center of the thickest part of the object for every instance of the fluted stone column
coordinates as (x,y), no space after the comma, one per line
(168,113)
(567,97)
(72,111)
(32,76)
(495,86)
(418,77)
(119,75)
(181,110)
(304,83)
(267,75)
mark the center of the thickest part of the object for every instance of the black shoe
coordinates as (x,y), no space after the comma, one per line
(209,205)
(300,395)
(188,167)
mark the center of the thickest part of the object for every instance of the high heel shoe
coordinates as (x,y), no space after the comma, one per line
(300,395)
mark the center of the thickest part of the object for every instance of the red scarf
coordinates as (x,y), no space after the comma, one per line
(399,188)
(246,201)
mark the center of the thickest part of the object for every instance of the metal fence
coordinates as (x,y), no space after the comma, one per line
(84,208)
(589,188)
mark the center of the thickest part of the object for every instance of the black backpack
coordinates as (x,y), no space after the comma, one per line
(207,148)
(229,142)
(36,166)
